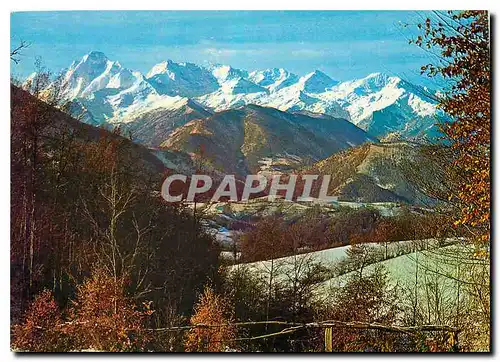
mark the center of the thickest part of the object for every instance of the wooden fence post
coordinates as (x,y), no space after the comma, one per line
(328,339)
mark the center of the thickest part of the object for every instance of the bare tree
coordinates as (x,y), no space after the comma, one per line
(16,53)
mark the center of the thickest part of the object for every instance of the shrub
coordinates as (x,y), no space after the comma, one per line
(104,318)
(212,309)
(41,330)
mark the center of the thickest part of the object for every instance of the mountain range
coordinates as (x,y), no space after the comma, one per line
(152,106)
(220,119)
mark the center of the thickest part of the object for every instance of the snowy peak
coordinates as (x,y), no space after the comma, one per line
(224,73)
(273,79)
(382,104)
(317,82)
(95,57)
(132,88)
(184,79)
(377,79)
(112,70)
(275,87)
(294,99)
(29,83)
(374,82)
(241,86)
(124,78)
(91,74)
(90,66)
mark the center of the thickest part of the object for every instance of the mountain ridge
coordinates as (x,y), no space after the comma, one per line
(378,103)
(242,140)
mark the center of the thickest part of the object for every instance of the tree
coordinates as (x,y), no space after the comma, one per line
(460,40)
(104,318)
(363,298)
(461,43)
(15,53)
(91,200)
(215,310)
(28,120)
(40,331)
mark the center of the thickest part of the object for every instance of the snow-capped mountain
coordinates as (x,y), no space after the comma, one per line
(106,92)
(103,91)
(275,88)
(316,82)
(225,73)
(273,79)
(91,74)
(382,104)
(184,79)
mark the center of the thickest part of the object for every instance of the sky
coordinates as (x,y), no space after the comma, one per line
(345,45)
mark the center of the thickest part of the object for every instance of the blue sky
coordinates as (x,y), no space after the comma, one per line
(344,45)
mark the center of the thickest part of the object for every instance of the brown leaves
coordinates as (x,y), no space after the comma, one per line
(104,318)
(462,41)
(40,331)
(101,318)
(214,310)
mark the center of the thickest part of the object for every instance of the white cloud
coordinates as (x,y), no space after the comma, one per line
(226,52)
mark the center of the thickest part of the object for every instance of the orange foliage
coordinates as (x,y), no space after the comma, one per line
(104,318)
(212,309)
(40,331)
(463,44)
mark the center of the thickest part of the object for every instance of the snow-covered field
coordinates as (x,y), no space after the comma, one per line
(429,259)
(416,267)
(330,257)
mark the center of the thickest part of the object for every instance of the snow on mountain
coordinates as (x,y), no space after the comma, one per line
(294,99)
(34,83)
(275,88)
(381,104)
(241,86)
(151,101)
(421,107)
(152,121)
(106,92)
(273,79)
(224,73)
(317,82)
(184,79)
(377,91)
(102,91)
(364,96)
(28,82)
(235,89)
(92,73)
(95,76)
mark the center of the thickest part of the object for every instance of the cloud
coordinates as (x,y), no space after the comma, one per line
(309,53)
(226,52)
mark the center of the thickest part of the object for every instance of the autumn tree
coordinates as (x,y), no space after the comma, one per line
(82,195)
(28,219)
(105,318)
(41,329)
(214,310)
(461,43)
